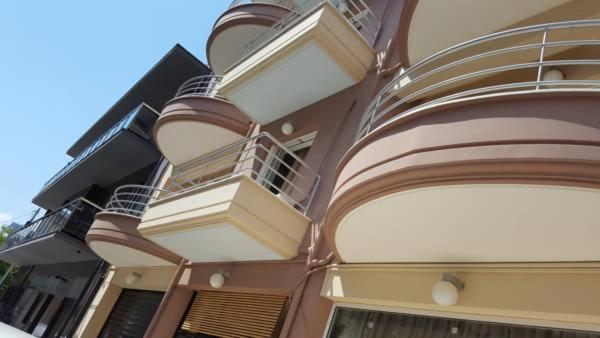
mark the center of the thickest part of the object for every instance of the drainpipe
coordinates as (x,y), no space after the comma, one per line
(163,302)
(312,266)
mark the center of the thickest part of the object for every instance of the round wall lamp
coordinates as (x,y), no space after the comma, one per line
(553,74)
(132,278)
(445,292)
(288,128)
(217,279)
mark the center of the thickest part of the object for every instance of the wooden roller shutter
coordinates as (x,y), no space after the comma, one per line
(132,314)
(229,315)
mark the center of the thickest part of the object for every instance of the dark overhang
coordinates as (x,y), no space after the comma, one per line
(155,88)
(123,149)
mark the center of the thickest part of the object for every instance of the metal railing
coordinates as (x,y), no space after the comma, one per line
(282,3)
(262,158)
(204,85)
(132,199)
(74,218)
(489,68)
(129,121)
(358,14)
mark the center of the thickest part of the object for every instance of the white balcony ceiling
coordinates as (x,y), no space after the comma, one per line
(123,256)
(474,223)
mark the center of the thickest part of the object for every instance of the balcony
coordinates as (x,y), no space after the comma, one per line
(243,21)
(244,202)
(54,238)
(114,236)
(488,151)
(198,121)
(124,148)
(315,51)
(419,38)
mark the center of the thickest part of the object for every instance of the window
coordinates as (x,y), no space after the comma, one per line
(359,323)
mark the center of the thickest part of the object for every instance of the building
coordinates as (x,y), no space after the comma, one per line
(379,168)
(58,274)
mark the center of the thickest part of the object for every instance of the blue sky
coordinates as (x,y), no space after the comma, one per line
(64,63)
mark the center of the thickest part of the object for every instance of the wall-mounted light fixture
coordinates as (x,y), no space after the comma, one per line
(132,278)
(445,292)
(288,128)
(217,279)
(553,74)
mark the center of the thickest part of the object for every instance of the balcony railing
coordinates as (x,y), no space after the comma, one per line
(134,121)
(461,71)
(74,218)
(205,85)
(358,14)
(261,157)
(282,3)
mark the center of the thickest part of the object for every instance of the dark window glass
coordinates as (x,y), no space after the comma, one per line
(357,323)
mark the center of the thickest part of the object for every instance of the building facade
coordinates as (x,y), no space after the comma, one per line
(58,274)
(379,168)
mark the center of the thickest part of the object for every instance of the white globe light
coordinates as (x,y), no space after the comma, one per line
(553,75)
(444,293)
(287,128)
(132,278)
(217,280)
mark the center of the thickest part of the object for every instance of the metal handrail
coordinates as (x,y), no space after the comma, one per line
(261,157)
(132,199)
(358,14)
(204,85)
(75,218)
(282,3)
(401,91)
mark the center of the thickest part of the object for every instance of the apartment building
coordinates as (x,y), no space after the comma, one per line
(368,168)
(58,274)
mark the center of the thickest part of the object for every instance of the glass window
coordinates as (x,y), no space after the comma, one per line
(358,323)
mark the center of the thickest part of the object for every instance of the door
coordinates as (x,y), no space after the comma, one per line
(131,314)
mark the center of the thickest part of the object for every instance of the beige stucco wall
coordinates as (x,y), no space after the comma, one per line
(554,295)
(154,279)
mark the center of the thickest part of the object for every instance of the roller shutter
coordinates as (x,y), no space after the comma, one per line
(229,315)
(131,314)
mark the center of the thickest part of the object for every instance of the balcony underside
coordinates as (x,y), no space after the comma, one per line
(311,60)
(419,38)
(56,247)
(193,126)
(513,178)
(234,219)
(124,154)
(236,28)
(115,238)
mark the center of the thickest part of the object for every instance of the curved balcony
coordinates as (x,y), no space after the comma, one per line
(197,121)
(114,236)
(243,21)
(319,49)
(418,38)
(244,202)
(486,152)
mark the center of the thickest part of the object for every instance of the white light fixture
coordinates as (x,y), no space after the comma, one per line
(553,74)
(445,292)
(287,128)
(132,278)
(217,279)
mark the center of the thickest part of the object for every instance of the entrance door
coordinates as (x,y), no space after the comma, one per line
(132,314)
(358,323)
